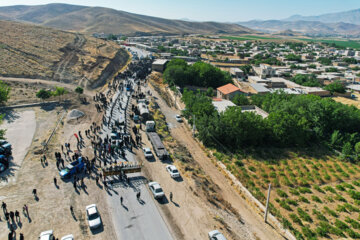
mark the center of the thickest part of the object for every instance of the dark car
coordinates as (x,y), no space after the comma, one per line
(4,163)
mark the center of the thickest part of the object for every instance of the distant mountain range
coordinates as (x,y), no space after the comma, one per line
(106,20)
(332,24)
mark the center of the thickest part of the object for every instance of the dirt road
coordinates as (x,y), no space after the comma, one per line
(253,221)
(46,82)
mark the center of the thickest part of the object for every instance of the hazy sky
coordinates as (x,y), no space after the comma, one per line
(216,10)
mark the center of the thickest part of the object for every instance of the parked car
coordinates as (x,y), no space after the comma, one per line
(47,235)
(93,216)
(178,118)
(156,190)
(68,237)
(148,153)
(216,235)
(74,167)
(4,163)
(174,173)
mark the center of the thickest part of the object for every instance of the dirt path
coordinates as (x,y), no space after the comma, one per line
(252,219)
(46,82)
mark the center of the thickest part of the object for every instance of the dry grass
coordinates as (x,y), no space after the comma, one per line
(37,52)
(347,101)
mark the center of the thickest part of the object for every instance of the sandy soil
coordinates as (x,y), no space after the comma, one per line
(51,211)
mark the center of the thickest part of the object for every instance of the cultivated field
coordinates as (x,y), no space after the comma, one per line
(313,193)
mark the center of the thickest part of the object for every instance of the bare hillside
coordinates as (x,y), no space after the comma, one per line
(38,52)
(98,19)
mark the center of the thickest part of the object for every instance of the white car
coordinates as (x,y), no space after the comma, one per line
(174,173)
(47,235)
(68,237)
(156,190)
(178,118)
(216,235)
(93,216)
(147,153)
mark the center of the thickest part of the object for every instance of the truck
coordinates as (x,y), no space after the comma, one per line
(74,167)
(158,146)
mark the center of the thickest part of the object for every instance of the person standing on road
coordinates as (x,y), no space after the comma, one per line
(171,196)
(34,192)
(121,200)
(26,210)
(17,216)
(3,206)
(55,181)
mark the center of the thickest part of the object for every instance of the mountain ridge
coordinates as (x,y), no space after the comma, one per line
(98,19)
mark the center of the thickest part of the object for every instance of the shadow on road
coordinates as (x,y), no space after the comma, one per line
(97,230)
(10,116)
(163,200)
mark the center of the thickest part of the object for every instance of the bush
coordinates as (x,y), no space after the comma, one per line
(319,215)
(330,189)
(304,199)
(284,205)
(348,185)
(341,208)
(308,233)
(295,219)
(352,234)
(340,198)
(252,168)
(341,225)
(303,215)
(293,191)
(355,224)
(340,187)
(291,202)
(304,190)
(354,194)
(351,208)
(331,212)
(281,193)
(316,199)
(286,223)
(317,188)
(356,183)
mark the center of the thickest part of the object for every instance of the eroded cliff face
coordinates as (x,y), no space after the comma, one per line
(119,61)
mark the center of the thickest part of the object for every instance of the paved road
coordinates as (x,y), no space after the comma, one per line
(134,219)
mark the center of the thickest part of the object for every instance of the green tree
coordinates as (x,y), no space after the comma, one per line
(347,149)
(59,91)
(293,57)
(335,87)
(210,92)
(357,149)
(331,69)
(43,94)
(306,80)
(240,100)
(4,92)
(79,90)
(325,61)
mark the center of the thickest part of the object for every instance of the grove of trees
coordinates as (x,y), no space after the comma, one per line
(306,80)
(294,120)
(201,74)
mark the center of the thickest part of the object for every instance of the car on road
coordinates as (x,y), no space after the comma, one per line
(47,235)
(93,216)
(174,173)
(4,163)
(178,118)
(148,153)
(68,237)
(156,190)
(74,167)
(216,235)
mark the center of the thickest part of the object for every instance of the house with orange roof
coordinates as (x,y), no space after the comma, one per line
(228,91)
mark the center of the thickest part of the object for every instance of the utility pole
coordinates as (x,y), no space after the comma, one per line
(267,204)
